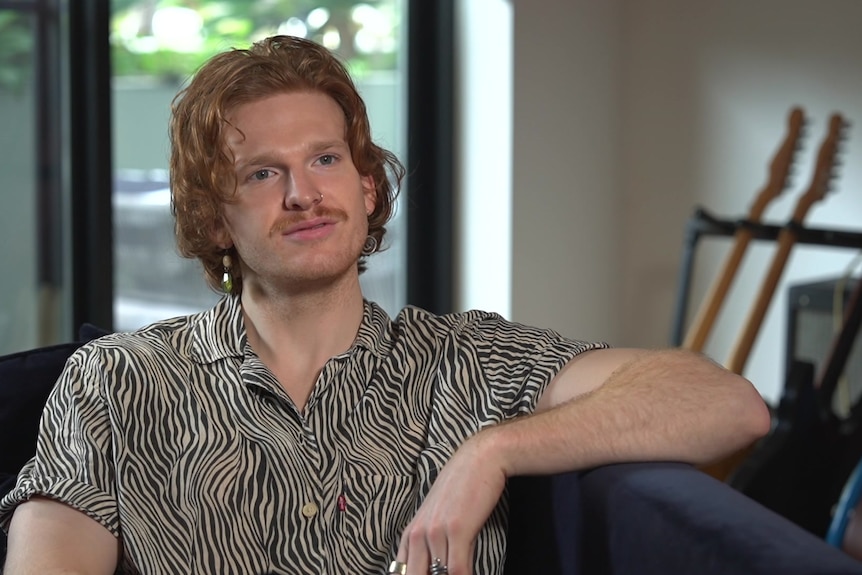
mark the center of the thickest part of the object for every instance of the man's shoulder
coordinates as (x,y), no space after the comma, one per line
(485,326)
(416,314)
(168,337)
(413,318)
(155,361)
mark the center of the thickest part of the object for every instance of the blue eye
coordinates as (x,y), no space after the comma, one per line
(327,160)
(261,175)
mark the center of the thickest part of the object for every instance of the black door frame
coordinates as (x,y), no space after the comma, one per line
(91,153)
(430,157)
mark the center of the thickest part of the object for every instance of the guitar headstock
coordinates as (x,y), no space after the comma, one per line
(781,165)
(826,168)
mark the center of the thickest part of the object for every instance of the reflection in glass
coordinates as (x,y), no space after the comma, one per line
(19,306)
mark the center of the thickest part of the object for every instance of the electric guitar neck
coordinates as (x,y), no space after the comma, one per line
(779,175)
(824,172)
(819,186)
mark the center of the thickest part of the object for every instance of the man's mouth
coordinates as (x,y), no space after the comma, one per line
(312,229)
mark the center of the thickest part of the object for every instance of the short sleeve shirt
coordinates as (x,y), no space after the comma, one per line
(180,441)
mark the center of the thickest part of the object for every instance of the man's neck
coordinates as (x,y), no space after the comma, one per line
(295,334)
(308,322)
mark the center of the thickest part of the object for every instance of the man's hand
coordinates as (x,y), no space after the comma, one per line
(460,501)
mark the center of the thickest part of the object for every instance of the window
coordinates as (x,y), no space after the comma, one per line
(32,233)
(84,220)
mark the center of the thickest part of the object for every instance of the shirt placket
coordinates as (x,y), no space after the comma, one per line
(322,416)
(311,511)
(321,493)
(302,470)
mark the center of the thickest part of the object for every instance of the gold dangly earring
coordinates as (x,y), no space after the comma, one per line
(227,276)
(370,246)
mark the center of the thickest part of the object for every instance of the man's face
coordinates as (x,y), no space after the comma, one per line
(300,216)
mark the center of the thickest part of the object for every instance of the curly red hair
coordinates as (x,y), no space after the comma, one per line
(202,174)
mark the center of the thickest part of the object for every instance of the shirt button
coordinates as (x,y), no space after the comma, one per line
(309,509)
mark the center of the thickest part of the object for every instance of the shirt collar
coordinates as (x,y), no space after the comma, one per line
(220,333)
(375,331)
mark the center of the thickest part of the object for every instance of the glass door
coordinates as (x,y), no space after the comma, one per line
(34,307)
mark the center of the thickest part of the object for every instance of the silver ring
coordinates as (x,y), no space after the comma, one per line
(320,199)
(397,568)
(437,567)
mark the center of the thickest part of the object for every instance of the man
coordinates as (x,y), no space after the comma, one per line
(295,428)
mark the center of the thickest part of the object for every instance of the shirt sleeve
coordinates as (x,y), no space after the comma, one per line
(519,361)
(73,462)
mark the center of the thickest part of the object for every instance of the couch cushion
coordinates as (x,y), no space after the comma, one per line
(544,525)
(26,379)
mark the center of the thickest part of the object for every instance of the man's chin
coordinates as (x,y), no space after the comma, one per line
(320,278)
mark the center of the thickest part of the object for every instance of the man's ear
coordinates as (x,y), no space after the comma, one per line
(369,193)
(220,236)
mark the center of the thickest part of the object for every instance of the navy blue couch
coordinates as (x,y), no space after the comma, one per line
(656,519)
(626,519)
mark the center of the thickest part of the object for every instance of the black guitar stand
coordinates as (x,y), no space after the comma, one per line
(702,223)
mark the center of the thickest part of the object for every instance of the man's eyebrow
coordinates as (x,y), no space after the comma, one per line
(271,159)
(259,160)
(326,145)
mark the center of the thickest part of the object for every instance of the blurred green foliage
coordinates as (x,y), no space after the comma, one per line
(16,51)
(224,24)
(236,23)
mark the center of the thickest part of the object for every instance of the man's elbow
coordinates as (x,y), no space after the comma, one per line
(754,417)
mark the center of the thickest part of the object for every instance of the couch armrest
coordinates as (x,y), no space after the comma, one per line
(670,518)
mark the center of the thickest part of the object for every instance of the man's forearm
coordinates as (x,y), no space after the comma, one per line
(669,405)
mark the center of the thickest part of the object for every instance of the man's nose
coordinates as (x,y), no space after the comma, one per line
(301,193)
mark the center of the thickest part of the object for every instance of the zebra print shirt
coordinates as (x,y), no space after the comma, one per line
(181,442)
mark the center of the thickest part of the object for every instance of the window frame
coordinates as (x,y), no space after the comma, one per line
(429,186)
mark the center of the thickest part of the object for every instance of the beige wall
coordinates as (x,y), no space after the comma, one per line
(628,114)
(567,203)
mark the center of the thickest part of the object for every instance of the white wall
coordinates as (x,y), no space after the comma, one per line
(628,114)
(484,155)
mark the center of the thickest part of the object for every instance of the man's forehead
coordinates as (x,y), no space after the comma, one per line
(305,111)
(285,102)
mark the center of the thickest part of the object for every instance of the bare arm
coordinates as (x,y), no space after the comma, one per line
(605,406)
(627,405)
(50,538)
